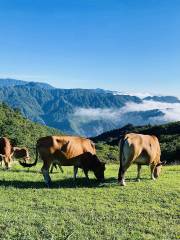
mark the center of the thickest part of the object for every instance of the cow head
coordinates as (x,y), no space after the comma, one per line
(99,171)
(158,169)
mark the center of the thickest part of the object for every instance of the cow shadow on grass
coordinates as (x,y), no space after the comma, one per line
(63,183)
(80,182)
(23,170)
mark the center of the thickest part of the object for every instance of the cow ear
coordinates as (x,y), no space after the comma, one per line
(161,163)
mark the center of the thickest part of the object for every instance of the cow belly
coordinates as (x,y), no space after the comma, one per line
(142,160)
(67,162)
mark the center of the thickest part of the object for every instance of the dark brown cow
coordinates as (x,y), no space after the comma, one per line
(5,152)
(68,151)
(141,150)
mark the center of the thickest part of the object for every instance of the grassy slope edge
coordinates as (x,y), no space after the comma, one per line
(21,131)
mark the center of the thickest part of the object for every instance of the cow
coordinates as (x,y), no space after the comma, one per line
(141,150)
(5,152)
(19,153)
(68,151)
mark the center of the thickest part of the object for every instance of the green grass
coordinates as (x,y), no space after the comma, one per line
(86,210)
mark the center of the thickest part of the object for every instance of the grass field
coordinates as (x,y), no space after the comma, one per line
(86,210)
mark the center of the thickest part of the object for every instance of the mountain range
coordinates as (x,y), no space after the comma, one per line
(86,112)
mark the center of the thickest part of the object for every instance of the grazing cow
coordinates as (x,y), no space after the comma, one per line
(142,150)
(21,153)
(5,152)
(68,151)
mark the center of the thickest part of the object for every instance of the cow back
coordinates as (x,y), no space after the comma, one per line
(70,146)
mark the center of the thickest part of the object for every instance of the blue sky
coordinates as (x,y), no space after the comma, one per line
(126,45)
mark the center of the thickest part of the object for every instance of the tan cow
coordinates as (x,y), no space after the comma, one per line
(141,150)
(5,152)
(68,151)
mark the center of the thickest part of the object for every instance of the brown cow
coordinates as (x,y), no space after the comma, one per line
(6,152)
(141,150)
(68,151)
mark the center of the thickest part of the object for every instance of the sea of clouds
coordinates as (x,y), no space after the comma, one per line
(171,112)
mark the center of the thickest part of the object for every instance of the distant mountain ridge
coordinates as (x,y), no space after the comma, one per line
(86,112)
(8,82)
(166,99)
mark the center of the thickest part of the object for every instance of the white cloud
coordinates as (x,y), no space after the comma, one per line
(89,114)
(137,94)
(171,112)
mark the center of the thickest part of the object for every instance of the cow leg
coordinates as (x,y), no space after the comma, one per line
(86,174)
(121,174)
(75,172)
(138,172)
(10,162)
(121,178)
(5,163)
(152,172)
(52,167)
(45,172)
(60,168)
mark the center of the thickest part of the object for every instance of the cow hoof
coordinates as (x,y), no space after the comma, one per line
(48,185)
(122,183)
(6,169)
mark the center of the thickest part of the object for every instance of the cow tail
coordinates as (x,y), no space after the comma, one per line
(24,164)
(121,155)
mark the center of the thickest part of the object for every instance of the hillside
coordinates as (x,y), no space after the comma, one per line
(86,112)
(168,135)
(22,132)
(60,108)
